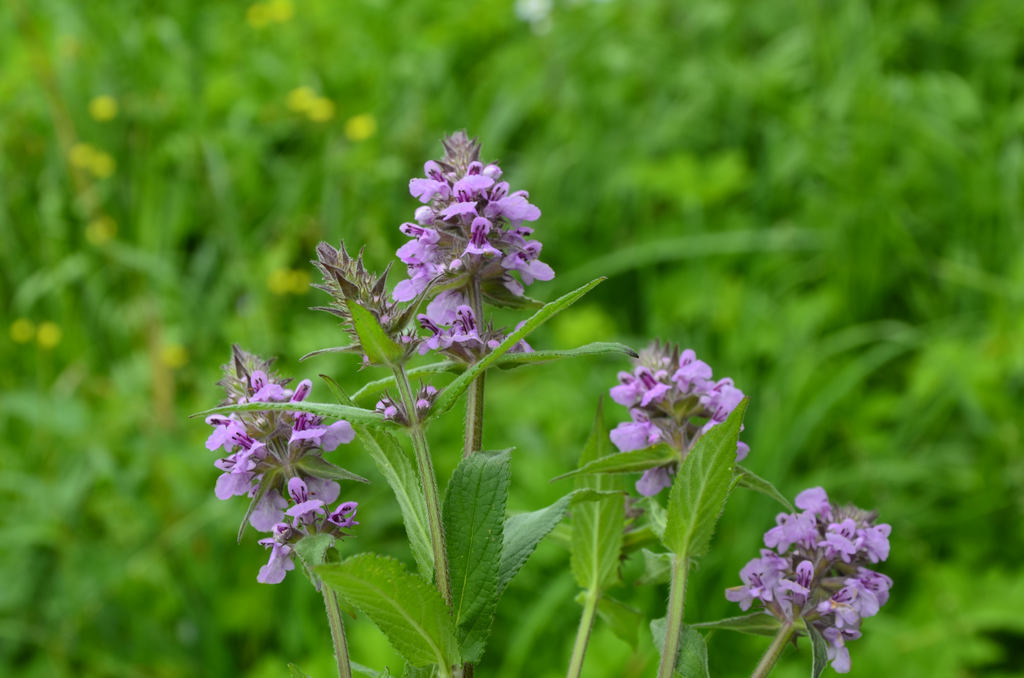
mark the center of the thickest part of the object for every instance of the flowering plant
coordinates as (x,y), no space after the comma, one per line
(471,246)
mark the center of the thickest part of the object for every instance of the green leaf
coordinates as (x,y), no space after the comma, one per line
(378,346)
(657,515)
(623,620)
(371,391)
(692,657)
(701,487)
(394,464)
(295,672)
(354,415)
(370,673)
(474,512)
(512,360)
(752,481)
(597,527)
(269,481)
(446,399)
(312,549)
(524,531)
(657,567)
(755,624)
(337,391)
(819,651)
(419,671)
(627,462)
(404,606)
(317,466)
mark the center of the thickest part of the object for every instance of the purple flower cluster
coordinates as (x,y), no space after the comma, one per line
(469,235)
(672,399)
(814,568)
(272,456)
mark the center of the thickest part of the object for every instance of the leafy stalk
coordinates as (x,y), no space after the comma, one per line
(337,632)
(428,479)
(674,623)
(774,651)
(579,648)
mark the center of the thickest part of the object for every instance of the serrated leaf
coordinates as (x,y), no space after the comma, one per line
(404,606)
(819,651)
(626,462)
(755,624)
(692,656)
(701,487)
(446,399)
(657,516)
(752,481)
(378,346)
(396,467)
(474,512)
(319,467)
(657,567)
(524,531)
(354,415)
(597,527)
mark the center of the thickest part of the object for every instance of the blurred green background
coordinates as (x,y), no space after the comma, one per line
(824,198)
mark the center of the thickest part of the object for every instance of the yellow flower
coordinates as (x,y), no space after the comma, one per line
(102,165)
(280,281)
(49,334)
(280,10)
(81,155)
(299,281)
(321,110)
(103,108)
(257,15)
(23,330)
(300,99)
(100,230)
(174,356)
(361,127)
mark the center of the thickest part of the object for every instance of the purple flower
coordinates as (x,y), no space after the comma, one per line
(280,555)
(268,512)
(810,575)
(344,516)
(672,400)
(470,233)
(305,510)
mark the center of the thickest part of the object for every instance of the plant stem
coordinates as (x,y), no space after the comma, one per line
(774,650)
(428,479)
(583,633)
(674,624)
(337,631)
(475,395)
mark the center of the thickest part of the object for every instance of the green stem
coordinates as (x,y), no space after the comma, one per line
(774,651)
(475,395)
(674,624)
(428,479)
(337,631)
(583,633)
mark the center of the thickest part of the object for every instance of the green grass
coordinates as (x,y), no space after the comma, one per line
(824,199)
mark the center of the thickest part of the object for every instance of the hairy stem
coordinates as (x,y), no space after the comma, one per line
(475,395)
(774,651)
(428,479)
(337,632)
(674,623)
(579,649)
